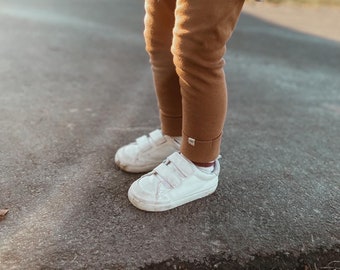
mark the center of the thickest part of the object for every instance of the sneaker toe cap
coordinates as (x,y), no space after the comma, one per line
(144,190)
(125,155)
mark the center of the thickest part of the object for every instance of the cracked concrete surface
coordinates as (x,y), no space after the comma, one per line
(76,85)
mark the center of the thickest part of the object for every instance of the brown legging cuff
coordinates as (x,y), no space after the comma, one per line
(201,151)
(171,126)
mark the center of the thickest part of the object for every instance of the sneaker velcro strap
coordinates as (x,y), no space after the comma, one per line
(157,137)
(181,163)
(168,175)
(143,143)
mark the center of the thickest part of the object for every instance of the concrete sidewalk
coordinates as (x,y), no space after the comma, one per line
(76,85)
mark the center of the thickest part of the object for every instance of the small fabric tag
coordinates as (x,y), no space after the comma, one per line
(191,141)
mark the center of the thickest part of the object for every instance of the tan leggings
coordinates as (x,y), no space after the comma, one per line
(186,42)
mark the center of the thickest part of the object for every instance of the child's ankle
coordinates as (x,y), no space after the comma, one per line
(207,167)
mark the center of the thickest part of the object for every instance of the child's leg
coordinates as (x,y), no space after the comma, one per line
(202,28)
(159,23)
(148,151)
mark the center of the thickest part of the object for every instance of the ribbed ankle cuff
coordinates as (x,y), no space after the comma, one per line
(171,126)
(201,151)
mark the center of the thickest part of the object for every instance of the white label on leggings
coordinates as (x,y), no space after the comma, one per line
(191,141)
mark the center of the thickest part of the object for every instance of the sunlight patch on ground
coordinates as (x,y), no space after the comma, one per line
(321,21)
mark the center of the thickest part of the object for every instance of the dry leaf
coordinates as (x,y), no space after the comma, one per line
(3,213)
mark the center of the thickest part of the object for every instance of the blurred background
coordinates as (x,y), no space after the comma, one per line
(309,2)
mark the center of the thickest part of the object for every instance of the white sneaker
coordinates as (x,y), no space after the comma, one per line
(146,152)
(174,182)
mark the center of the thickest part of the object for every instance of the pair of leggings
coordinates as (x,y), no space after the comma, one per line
(186,41)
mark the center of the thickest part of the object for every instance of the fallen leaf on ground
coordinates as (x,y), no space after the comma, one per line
(3,213)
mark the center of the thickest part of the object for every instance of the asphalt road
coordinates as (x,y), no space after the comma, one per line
(75,85)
